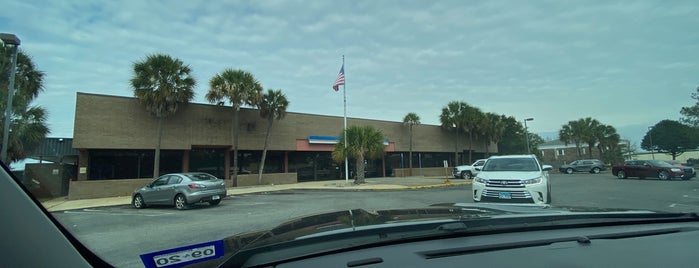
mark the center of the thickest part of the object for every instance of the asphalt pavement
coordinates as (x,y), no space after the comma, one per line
(372,184)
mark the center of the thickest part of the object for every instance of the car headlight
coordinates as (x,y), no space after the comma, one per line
(480,180)
(675,170)
(532,181)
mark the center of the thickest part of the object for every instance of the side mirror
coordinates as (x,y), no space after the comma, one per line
(477,169)
(547,167)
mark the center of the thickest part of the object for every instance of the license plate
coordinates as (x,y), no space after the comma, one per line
(215,197)
(505,195)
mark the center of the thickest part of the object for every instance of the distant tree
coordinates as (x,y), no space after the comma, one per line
(690,114)
(608,144)
(512,141)
(472,123)
(239,88)
(363,142)
(589,132)
(491,129)
(573,132)
(161,83)
(670,137)
(272,107)
(451,120)
(28,122)
(534,141)
(410,120)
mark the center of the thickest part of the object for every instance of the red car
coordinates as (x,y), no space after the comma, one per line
(648,168)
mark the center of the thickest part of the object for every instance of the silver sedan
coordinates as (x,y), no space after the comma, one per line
(180,190)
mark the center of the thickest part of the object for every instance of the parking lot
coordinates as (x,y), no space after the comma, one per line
(120,233)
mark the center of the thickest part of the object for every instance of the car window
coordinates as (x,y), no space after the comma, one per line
(587,163)
(479,163)
(161,181)
(200,177)
(174,180)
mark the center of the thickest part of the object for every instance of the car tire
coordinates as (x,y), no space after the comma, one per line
(621,174)
(215,202)
(466,175)
(663,175)
(180,202)
(595,170)
(569,171)
(137,202)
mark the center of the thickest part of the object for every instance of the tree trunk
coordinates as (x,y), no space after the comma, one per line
(487,150)
(264,151)
(410,155)
(456,148)
(360,169)
(470,146)
(236,131)
(156,161)
(590,147)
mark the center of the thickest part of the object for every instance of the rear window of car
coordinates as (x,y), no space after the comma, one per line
(201,177)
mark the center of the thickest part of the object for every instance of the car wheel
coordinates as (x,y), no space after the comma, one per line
(569,171)
(663,175)
(621,174)
(215,202)
(180,202)
(466,175)
(595,170)
(138,202)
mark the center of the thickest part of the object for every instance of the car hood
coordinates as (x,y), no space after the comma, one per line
(357,220)
(520,175)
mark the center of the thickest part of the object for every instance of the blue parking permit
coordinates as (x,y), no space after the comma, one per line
(181,256)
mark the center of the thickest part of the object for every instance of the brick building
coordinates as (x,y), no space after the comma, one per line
(116,137)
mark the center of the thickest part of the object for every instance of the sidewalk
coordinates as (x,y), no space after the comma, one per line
(372,184)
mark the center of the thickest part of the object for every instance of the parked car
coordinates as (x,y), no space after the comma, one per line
(584,165)
(689,172)
(513,179)
(468,171)
(647,168)
(180,190)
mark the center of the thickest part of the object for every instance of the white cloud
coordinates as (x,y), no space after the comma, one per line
(555,61)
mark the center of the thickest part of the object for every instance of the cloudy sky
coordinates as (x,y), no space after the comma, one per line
(629,64)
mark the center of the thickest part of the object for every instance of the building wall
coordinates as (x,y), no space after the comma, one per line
(110,122)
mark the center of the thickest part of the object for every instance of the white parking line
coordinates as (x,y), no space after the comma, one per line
(104,212)
(690,196)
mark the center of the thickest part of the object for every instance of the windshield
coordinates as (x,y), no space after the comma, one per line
(147,126)
(511,164)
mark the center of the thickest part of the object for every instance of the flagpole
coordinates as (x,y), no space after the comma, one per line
(344,99)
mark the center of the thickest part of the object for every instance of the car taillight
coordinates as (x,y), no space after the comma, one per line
(196,186)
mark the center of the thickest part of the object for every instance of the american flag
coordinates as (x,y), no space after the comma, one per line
(340,79)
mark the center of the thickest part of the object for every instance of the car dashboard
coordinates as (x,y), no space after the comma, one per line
(638,245)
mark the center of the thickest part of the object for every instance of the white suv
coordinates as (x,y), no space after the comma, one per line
(513,179)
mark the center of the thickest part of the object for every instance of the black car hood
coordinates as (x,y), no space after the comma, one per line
(359,219)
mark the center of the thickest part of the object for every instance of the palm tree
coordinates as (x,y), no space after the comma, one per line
(410,120)
(362,143)
(572,133)
(471,123)
(272,106)
(589,132)
(28,125)
(451,119)
(239,88)
(492,130)
(161,83)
